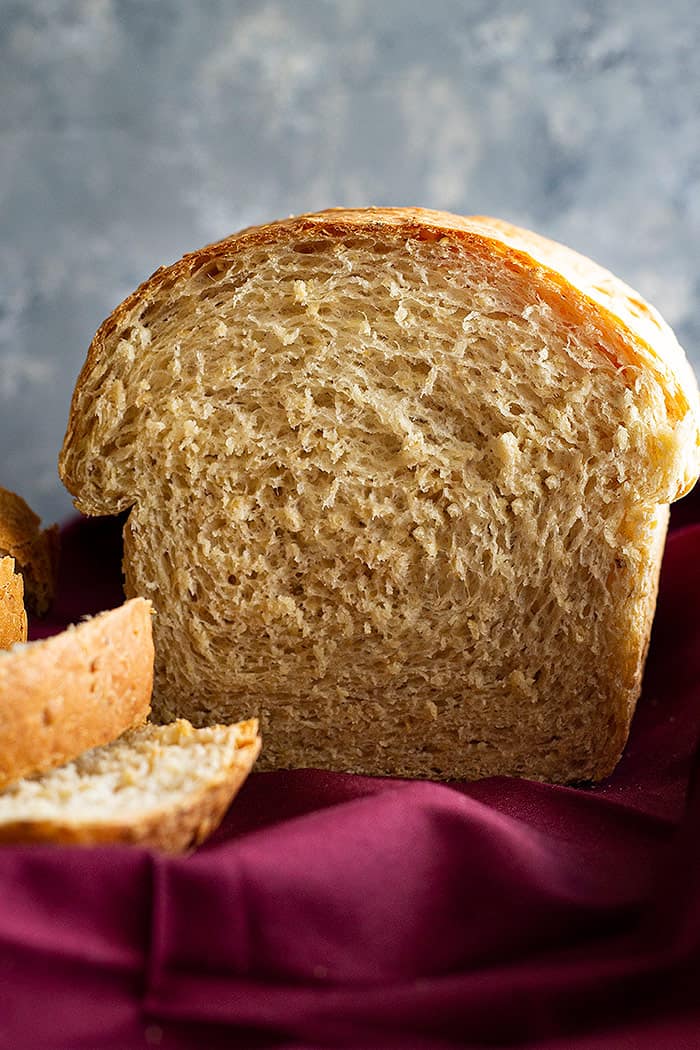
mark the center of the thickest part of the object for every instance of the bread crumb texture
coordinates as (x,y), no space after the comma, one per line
(401,496)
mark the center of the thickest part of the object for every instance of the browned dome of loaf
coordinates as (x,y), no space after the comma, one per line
(398,484)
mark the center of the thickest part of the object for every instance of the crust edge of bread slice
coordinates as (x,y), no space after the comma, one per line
(13,616)
(75,690)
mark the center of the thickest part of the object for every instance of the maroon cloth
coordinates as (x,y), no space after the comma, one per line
(341,911)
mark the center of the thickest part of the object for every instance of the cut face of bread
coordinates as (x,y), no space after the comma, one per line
(398,483)
(35,550)
(161,786)
(76,690)
(13,618)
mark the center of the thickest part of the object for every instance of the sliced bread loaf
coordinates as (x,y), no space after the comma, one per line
(398,482)
(162,786)
(13,618)
(34,549)
(75,690)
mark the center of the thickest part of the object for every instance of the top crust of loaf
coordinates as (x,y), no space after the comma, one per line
(76,690)
(613,318)
(13,618)
(35,550)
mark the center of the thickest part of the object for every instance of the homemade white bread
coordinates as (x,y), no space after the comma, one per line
(76,690)
(13,618)
(162,786)
(398,483)
(34,549)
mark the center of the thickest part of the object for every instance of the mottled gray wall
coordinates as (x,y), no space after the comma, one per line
(133,131)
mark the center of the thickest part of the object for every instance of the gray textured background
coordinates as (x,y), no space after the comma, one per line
(131,132)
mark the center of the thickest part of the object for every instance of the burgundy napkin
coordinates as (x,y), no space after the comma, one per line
(340,911)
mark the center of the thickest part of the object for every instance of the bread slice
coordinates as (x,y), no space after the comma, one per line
(162,786)
(34,549)
(75,690)
(13,618)
(398,483)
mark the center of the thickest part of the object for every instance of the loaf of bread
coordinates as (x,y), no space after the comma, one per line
(13,618)
(162,786)
(34,549)
(397,483)
(75,690)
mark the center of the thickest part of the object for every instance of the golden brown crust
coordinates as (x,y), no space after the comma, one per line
(35,550)
(174,829)
(13,617)
(625,329)
(75,691)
